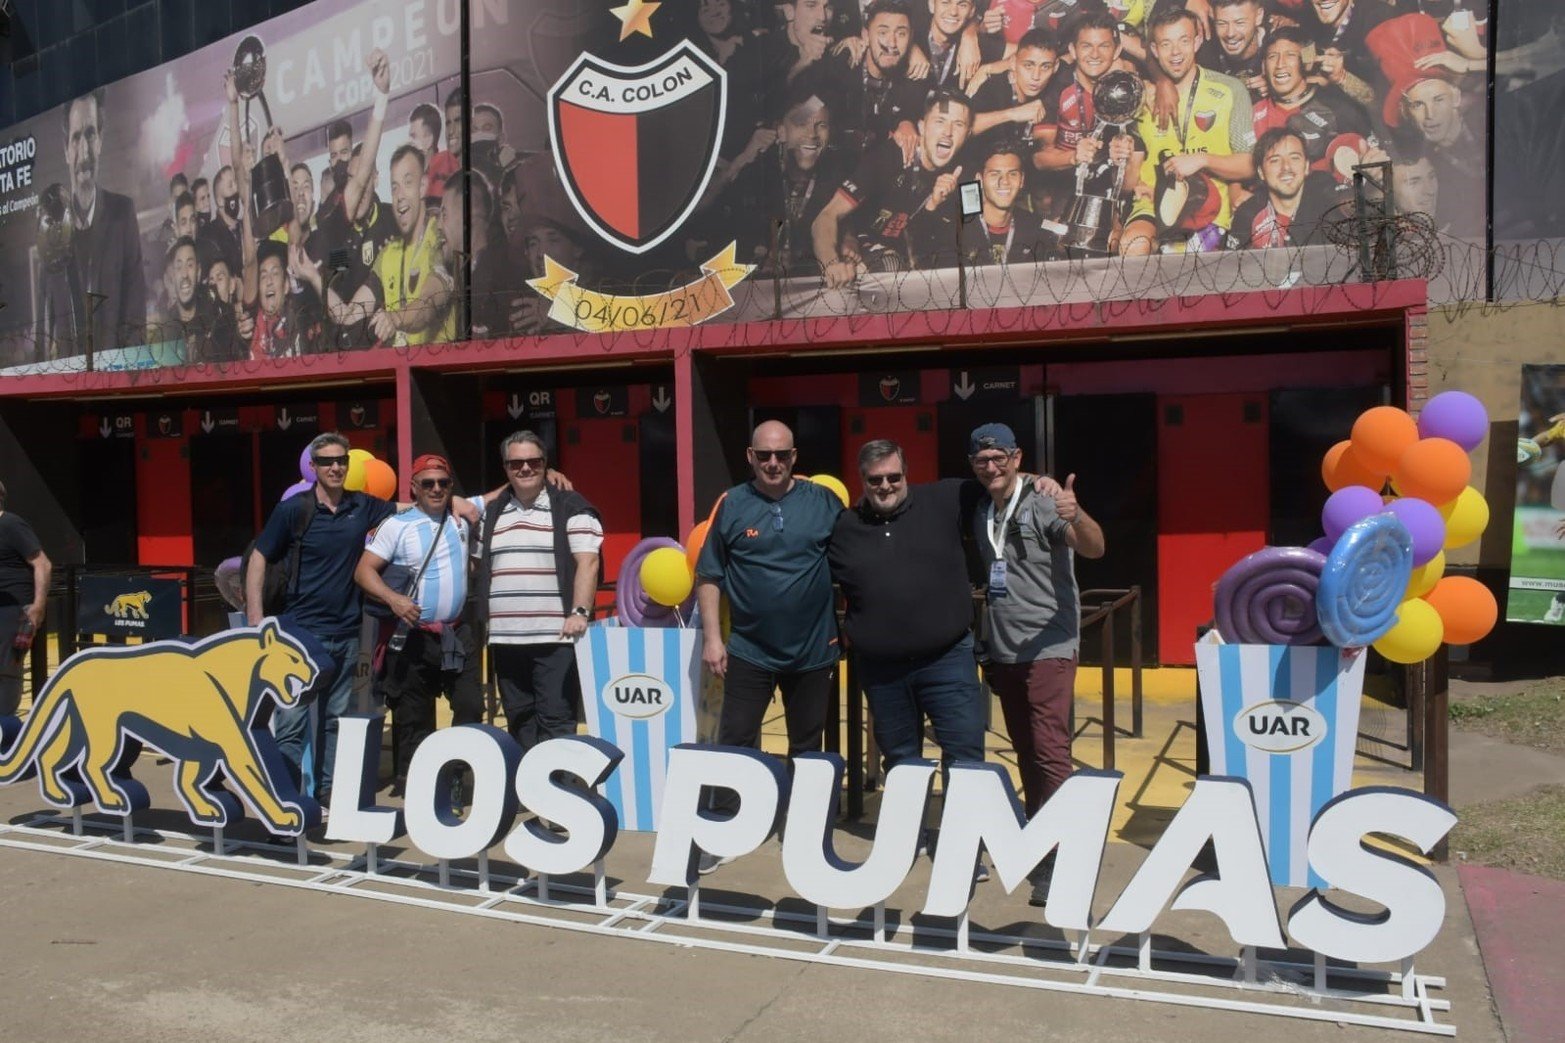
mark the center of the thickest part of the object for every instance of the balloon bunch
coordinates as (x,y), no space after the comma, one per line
(1377,576)
(366,474)
(1427,467)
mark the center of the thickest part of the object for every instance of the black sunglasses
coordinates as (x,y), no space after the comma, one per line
(522,463)
(878,480)
(329,461)
(428,484)
(764,455)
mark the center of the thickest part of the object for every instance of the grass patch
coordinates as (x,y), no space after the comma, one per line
(1534,718)
(1526,834)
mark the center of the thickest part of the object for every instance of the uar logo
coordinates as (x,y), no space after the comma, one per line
(1279,726)
(638,696)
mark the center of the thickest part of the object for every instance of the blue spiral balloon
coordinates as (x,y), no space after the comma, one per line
(1364,581)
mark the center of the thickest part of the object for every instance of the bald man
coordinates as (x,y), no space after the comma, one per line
(767,551)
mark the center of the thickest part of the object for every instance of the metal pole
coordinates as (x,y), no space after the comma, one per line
(1135,662)
(855,743)
(68,623)
(961,269)
(1437,720)
(465,42)
(1108,691)
(1415,685)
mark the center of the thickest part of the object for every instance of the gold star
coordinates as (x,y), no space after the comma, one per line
(635,17)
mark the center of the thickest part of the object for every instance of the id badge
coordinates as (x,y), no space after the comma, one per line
(997,580)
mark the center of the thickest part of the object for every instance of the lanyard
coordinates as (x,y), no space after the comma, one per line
(1184,123)
(998,542)
(1010,236)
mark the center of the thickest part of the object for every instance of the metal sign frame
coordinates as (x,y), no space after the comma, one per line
(1248,983)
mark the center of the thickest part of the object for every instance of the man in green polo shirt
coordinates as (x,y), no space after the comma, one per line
(766,550)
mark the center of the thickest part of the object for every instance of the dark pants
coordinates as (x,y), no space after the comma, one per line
(1036,700)
(13,665)
(414,681)
(747,694)
(942,686)
(537,690)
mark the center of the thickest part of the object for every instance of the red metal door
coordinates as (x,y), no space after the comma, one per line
(163,521)
(1213,505)
(911,427)
(603,458)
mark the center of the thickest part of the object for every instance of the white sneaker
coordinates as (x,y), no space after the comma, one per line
(1556,612)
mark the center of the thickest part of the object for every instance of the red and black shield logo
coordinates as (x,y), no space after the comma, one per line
(636,146)
(1205,120)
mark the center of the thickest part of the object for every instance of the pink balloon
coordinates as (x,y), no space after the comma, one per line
(1346,507)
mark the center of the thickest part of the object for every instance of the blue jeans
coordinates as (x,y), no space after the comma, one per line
(328,700)
(943,687)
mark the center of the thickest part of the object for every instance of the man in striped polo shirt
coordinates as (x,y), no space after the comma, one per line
(427,545)
(536,581)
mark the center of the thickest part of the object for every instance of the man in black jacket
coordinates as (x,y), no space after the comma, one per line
(537,579)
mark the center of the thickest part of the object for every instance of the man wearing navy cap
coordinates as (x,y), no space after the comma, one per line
(1026,540)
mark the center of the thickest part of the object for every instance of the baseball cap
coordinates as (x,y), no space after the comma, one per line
(431,462)
(991,436)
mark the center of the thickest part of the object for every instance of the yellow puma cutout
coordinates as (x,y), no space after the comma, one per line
(196,703)
(130,605)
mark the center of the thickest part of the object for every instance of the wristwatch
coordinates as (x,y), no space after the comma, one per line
(579,611)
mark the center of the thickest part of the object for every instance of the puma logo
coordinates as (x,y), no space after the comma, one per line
(130,606)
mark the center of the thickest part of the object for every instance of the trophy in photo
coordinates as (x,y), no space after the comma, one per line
(1094,217)
(273,207)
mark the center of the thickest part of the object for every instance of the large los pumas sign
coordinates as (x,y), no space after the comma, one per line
(208,705)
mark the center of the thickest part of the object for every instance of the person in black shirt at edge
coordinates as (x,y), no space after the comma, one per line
(903,216)
(1290,209)
(25,572)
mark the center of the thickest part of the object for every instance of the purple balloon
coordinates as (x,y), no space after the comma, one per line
(296,488)
(1424,524)
(1455,415)
(306,468)
(1347,506)
(1320,545)
(634,607)
(1268,598)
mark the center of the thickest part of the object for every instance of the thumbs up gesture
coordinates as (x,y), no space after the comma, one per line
(1065,501)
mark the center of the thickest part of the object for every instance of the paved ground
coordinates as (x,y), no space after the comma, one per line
(108,952)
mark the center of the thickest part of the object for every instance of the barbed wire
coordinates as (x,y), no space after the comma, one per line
(1348,247)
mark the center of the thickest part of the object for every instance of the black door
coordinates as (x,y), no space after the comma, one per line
(817,434)
(1305,422)
(222,496)
(108,473)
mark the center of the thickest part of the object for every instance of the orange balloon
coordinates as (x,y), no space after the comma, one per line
(695,541)
(380,480)
(1466,606)
(1342,468)
(1381,435)
(1434,470)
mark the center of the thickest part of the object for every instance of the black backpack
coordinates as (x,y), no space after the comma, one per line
(281,577)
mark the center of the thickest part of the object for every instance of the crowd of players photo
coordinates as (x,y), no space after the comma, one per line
(1092,127)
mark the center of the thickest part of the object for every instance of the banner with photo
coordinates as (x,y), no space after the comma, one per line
(1529,180)
(1537,590)
(656,165)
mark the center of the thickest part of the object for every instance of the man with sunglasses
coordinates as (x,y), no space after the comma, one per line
(322,599)
(427,546)
(1026,541)
(535,586)
(766,550)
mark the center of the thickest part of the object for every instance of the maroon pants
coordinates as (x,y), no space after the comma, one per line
(1036,700)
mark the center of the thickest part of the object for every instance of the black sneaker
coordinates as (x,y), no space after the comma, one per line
(709,862)
(458,793)
(399,787)
(1041,878)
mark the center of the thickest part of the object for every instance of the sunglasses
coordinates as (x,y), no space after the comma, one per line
(430,484)
(765,455)
(329,461)
(877,480)
(777,517)
(525,463)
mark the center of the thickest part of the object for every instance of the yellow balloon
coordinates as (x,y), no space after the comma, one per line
(666,576)
(1466,517)
(1416,636)
(1425,577)
(358,473)
(832,483)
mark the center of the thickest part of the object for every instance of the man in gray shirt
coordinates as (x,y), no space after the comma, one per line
(1026,541)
